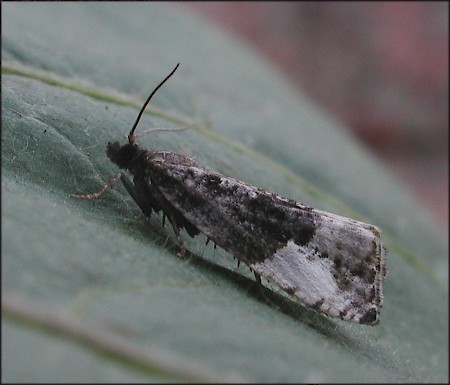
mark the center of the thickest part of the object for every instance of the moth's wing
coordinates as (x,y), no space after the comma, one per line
(339,272)
(155,160)
(328,262)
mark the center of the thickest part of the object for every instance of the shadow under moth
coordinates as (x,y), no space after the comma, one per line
(331,263)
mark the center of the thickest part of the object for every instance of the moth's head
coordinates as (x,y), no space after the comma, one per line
(123,155)
(126,155)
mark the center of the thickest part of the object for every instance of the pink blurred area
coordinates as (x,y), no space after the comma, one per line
(380,67)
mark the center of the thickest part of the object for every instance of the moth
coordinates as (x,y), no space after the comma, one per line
(333,264)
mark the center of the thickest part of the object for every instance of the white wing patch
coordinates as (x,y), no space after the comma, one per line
(311,280)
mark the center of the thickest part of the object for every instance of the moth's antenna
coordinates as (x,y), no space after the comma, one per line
(131,134)
(150,130)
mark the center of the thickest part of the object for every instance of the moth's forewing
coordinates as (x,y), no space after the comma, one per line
(339,272)
(332,263)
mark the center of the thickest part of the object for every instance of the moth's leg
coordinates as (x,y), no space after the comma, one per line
(207,241)
(263,293)
(141,199)
(95,195)
(182,252)
(176,230)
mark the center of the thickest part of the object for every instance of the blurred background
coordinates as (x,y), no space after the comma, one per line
(379,67)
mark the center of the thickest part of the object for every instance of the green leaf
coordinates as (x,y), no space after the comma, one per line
(93,291)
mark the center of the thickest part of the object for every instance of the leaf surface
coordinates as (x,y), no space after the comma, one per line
(93,291)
